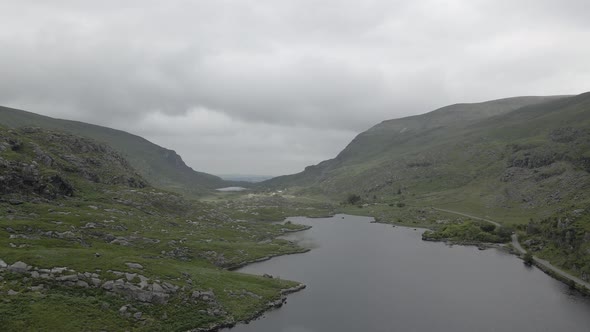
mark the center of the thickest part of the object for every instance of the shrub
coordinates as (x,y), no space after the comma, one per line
(528,258)
(487,227)
(353,199)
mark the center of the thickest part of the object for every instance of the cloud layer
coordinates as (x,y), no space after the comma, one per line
(270,86)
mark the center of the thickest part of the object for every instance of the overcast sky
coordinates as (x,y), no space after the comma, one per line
(271,86)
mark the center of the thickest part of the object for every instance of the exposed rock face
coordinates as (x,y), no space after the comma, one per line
(156,294)
(46,159)
(20,177)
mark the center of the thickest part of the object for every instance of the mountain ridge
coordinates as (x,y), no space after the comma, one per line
(406,126)
(162,167)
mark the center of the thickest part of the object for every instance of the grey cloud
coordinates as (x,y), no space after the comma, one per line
(320,66)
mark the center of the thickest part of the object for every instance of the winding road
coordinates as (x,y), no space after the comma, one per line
(538,261)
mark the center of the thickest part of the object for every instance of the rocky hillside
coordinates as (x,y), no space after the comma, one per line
(87,244)
(36,164)
(162,167)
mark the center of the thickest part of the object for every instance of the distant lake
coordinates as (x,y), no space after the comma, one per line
(375,277)
(232,189)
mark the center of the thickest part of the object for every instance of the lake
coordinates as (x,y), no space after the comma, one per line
(362,276)
(232,189)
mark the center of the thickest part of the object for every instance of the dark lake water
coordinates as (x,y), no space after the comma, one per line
(374,277)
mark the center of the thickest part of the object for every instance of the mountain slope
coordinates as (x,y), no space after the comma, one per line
(87,245)
(161,167)
(504,158)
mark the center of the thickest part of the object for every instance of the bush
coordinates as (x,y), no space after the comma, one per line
(504,233)
(528,258)
(487,227)
(353,199)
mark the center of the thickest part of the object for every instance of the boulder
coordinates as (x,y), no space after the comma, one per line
(108,285)
(19,267)
(157,288)
(203,295)
(170,288)
(134,266)
(82,283)
(58,270)
(123,310)
(95,281)
(143,281)
(159,298)
(70,277)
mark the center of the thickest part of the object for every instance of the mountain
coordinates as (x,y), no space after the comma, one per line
(87,244)
(512,159)
(161,167)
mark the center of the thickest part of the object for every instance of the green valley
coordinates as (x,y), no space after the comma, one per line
(106,230)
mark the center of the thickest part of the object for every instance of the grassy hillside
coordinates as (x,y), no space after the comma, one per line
(505,160)
(391,138)
(87,244)
(159,166)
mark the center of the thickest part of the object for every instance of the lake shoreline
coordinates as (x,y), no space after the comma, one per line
(271,305)
(330,235)
(265,258)
(505,247)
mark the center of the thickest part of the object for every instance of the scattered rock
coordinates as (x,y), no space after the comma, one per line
(108,285)
(134,266)
(82,283)
(36,288)
(19,267)
(203,295)
(123,310)
(157,288)
(58,270)
(121,241)
(71,277)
